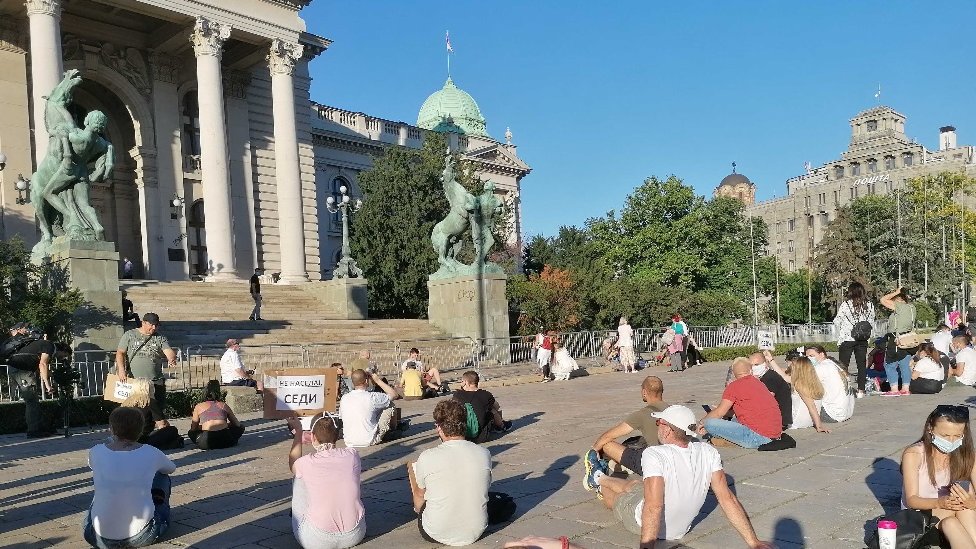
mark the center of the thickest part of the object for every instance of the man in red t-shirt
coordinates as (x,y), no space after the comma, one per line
(758,419)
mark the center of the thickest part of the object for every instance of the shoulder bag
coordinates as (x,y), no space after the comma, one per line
(909,339)
(915,530)
(861,329)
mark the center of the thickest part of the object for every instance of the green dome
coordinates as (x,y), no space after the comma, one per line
(452,109)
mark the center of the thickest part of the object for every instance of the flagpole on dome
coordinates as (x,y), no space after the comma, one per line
(450,50)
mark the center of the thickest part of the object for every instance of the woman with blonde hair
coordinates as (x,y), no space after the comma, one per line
(807,393)
(938,473)
(625,343)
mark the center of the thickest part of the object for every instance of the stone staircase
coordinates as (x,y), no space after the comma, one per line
(199,317)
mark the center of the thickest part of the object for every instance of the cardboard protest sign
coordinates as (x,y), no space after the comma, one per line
(115,390)
(765,341)
(300,392)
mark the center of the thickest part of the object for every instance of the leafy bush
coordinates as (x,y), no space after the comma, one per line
(94,410)
(728,353)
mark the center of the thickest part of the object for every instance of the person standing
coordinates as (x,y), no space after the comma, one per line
(902,321)
(27,357)
(127,268)
(625,342)
(854,323)
(140,354)
(544,355)
(255,287)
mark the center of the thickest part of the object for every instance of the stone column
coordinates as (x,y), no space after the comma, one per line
(208,39)
(47,67)
(291,227)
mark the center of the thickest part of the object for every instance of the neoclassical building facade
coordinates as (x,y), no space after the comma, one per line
(879,159)
(223,161)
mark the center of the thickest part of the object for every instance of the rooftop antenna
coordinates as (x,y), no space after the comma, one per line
(877,94)
(450,50)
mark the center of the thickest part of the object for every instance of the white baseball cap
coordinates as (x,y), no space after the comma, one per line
(679,416)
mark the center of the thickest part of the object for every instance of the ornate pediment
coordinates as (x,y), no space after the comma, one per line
(498,158)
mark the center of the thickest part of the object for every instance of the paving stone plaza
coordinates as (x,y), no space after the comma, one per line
(819,495)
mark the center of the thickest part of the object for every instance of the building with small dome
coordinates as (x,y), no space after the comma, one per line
(737,186)
(345,143)
(217,92)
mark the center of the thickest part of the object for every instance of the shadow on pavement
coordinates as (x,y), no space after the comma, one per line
(885,483)
(788,529)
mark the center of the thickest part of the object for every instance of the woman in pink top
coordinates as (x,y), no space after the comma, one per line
(934,470)
(326,511)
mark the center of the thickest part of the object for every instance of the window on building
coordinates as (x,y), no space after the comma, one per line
(907,159)
(855,169)
(872,125)
(872,165)
(191,124)
(889,162)
(792,265)
(838,172)
(790,246)
(806,201)
(825,218)
(792,224)
(836,197)
(810,221)
(823,198)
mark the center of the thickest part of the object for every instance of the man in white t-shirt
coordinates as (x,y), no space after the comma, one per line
(677,475)
(965,367)
(838,402)
(232,370)
(431,376)
(449,482)
(366,415)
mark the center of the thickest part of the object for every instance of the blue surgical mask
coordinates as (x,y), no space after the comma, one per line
(944,445)
(813,360)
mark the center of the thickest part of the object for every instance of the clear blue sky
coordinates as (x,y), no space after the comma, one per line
(600,95)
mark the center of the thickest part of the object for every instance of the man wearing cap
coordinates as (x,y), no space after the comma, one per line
(140,354)
(676,478)
(232,371)
(27,357)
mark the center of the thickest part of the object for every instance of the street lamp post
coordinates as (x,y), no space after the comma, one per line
(22,185)
(346,268)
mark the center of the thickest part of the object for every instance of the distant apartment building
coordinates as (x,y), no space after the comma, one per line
(879,159)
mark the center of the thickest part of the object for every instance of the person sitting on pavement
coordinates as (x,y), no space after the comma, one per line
(807,393)
(933,469)
(232,370)
(214,424)
(447,514)
(130,507)
(942,339)
(628,454)
(759,420)
(411,382)
(779,387)
(367,416)
(563,365)
(964,369)
(483,405)
(27,356)
(326,506)
(676,477)
(431,376)
(838,398)
(128,309)
(927,372)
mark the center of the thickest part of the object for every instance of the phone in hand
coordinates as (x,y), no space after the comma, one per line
(707,408)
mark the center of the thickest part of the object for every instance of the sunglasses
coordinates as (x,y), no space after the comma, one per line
(958,413)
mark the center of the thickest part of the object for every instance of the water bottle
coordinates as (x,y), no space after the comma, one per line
(887,529)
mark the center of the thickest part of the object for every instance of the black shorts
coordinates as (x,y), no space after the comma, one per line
(631,459)
(157,404)
(242,383)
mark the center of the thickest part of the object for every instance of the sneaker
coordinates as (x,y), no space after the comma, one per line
(906,392)
(859,394)
(591,462)
(892,393)
(546,380)
(506,426)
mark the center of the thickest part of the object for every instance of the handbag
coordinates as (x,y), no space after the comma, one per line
(908,340)
(915,530)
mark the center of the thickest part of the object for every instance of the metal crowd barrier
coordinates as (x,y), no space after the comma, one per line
(197,364)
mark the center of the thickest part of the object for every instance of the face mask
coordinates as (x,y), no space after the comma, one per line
(944,445)
(813,360)
(758,369)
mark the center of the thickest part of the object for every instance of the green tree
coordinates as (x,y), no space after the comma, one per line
(36,294)
(545,301)
(390,236)
(795,297)
(840,258)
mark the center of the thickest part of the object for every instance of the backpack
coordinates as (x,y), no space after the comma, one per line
(501,507)
(14,344)
(860,330)
(472,426)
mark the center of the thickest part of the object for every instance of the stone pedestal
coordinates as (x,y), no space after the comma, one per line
(470,306)
(344,297)
(93,269)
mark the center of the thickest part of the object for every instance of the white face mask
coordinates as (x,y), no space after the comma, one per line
(759,369)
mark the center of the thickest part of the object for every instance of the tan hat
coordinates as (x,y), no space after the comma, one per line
(679,416)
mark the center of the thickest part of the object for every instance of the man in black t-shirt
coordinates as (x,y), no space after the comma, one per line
(485,406)
(28,368)
(255,288)
(778,386)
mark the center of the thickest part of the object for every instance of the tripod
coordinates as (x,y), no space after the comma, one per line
(65,378)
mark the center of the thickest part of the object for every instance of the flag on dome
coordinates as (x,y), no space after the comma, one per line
(448,38)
